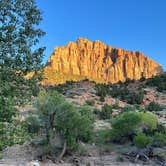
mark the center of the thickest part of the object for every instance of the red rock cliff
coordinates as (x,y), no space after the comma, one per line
(97,61)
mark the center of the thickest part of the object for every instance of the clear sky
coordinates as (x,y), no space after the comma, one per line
(138,25)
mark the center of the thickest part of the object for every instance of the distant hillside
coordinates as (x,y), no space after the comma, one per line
(98,62)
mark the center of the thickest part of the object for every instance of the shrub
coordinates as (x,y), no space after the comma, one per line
(125,125)
(123,93)
(153,106)
(127,108)
(141,140)
(161,129)
(12,133)
(159,81)
(106,112)
(115,91)
(148,120)
(33,124)
(102,90)
(159,140)
(135,98)
(7,109)
(90,102)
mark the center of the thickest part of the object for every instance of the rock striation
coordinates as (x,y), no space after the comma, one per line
(98,62)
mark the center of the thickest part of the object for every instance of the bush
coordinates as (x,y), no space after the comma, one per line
(153,106)
(159,140)
(127,124)
(106,112)
(127,108)
(148,120)
(124,126)
(102,90)
(12,133)
(161,129)
(158,81)
(135,98)
(90,102)
(141,140)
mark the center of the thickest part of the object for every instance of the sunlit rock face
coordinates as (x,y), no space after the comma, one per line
(98,62)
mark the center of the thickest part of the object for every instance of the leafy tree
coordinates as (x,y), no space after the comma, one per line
(57,118)
(19,56)
(19,35)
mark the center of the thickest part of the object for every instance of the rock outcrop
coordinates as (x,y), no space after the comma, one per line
(98,62)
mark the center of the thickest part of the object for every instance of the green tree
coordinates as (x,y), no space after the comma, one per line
(19,54)
(57,118)
(19,36)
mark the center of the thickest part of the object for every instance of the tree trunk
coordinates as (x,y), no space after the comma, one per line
(63,151)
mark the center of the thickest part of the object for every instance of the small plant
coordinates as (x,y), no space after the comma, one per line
(135,98)
(120,158)
(90,102)
(159,140)
(141,140)
(102,90)
(127,108)
(153,106)
(106,112)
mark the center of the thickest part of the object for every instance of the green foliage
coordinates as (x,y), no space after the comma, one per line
(158,81)
(159,140)
(33,124)
(74,124)
(18,35)
(120,158)
(90,102)
(106,112)
(102,90)
(161,129)
(125,125)
(12,133)
(141,140)
(127,95)
(56,117)
(153,106)
(7,110)
(127,108)
(148,120)
(135,98)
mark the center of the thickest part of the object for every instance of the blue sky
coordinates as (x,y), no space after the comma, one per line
(138,25)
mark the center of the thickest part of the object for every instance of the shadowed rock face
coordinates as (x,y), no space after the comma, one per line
(98,62)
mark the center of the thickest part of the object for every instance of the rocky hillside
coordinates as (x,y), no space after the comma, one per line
(98,62)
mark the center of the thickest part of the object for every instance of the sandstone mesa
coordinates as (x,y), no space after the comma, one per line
(97,61)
